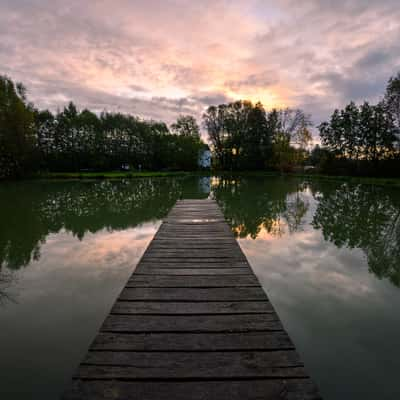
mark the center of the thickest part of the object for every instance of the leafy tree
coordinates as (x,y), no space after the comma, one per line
(17,135)
(341,134)
(214,123)
(186,125)
(319,156)
(377,132)
(256,145)
(392,100)
(361,133)
(239,134)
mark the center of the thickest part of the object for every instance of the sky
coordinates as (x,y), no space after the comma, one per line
(160,59)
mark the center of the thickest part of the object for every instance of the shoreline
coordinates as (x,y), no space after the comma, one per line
(383,181)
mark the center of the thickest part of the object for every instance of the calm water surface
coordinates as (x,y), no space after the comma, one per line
(327,253)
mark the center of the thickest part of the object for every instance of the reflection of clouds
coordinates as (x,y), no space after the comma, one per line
(312,262)
(101,249)
(103,257)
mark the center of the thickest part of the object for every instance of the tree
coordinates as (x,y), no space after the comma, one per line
(214,123)
(319,156)
(290,137)
(377,132)
(17,138)
(239,134)
(186,125)
(256,143)
(392,99)
(342,133)
(366,132)
(293,124)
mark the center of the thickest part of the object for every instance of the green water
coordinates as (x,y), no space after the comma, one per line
(327,253)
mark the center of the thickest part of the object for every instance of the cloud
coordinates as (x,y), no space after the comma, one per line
(160,59)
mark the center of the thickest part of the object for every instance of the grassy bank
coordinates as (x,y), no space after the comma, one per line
(111,175)
(395,182)
(338,178)
(354,179)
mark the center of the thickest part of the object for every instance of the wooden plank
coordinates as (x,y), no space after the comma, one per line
(230,341)
(185,265)
(192,281)
(194,294)
(189,245)
(191,365)
(193,262)
(190,307)
(276,389)
(187,271)
(193,257)
(192,323)
(191,254)
(192,251)
(201,241)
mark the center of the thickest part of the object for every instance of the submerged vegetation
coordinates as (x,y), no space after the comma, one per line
(358,140)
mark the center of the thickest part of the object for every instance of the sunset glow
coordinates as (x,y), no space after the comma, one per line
(159,59)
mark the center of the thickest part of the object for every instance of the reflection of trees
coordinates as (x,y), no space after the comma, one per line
(296,209)
(6,281)
(251,205)
(365,217)
(30,211)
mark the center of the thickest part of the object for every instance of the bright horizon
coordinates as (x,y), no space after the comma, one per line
(160,59)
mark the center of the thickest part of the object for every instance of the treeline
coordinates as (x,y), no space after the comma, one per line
(362,139)
(357,140)
(244,136)
(72,140)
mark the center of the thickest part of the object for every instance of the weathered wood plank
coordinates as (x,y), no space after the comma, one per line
(194,294)
(200,241)
(193,262)
(185,265)
(190,307)
(192,323)
(191,365)
(192,281)
(188,245)
(231,341)
(193,256)
(276,389)
(187,271)
(217,251)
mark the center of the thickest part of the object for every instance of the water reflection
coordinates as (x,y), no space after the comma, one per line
(31,211)
(365,217)
(254,204)
(67,249)
(6,282)
(351,216)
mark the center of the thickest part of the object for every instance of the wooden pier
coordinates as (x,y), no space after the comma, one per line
(192,323)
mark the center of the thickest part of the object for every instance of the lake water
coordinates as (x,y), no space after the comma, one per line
(327,253)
